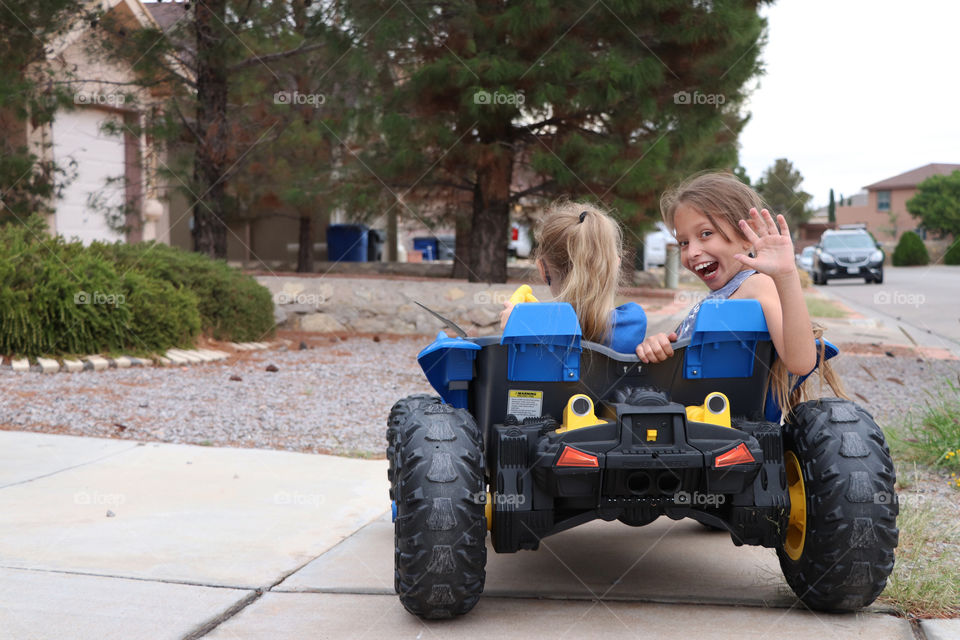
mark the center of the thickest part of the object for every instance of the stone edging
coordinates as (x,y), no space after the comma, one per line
(172,357)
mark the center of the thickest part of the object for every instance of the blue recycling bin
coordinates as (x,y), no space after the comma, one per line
(426,246)
(347,242)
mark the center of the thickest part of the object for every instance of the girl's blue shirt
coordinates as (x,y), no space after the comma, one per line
(629,328)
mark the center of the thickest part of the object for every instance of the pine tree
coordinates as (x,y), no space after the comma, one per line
(832,209)
(611,102)
(780,189)
(31,92)
(221,67)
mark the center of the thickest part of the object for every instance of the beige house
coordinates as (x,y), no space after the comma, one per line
(885,210)
(111,169)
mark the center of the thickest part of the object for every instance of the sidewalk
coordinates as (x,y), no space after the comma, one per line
(112,539)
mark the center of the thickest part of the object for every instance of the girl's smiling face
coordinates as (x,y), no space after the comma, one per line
(704,250)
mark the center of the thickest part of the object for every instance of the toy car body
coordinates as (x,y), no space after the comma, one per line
(536,432)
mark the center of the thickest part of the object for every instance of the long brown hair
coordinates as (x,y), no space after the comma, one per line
(780,381)
(723,198)
(720,196)
(582,247)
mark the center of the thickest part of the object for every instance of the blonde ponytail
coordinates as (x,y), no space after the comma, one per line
(582,246)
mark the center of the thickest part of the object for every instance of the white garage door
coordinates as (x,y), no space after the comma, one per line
(97,158)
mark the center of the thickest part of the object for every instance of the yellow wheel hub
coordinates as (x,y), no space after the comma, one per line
(797,524)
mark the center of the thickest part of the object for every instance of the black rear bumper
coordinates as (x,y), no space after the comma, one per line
(649,461)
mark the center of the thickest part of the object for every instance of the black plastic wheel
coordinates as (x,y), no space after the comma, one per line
(396,425)
(838,547)
(440,530)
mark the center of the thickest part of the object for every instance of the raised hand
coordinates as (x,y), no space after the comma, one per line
(774,248)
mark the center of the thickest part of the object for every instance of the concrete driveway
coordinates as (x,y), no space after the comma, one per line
(112,539)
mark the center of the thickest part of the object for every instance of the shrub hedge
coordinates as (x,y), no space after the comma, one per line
(952,256)
(910,251)
(61,298)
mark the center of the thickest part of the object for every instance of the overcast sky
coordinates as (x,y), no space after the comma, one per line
(856,91)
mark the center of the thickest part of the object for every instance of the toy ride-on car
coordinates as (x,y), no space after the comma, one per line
(536,432)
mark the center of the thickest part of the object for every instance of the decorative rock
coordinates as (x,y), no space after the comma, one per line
(72,366)
(384,325)
(122,362)
(177,358)
(99,364)
(272,368)
(454,294)
(162,361)
(300,309)
(289,292)
(213,354)
(483,317)
(279,315)
(48,366)
(190,356)
(204,355)
(321,322)
(20,365)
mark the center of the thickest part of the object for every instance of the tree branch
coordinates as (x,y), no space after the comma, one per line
(250,62)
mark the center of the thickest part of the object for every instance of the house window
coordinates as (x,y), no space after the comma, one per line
(883,201)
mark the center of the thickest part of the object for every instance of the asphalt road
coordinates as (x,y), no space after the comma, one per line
(923,300)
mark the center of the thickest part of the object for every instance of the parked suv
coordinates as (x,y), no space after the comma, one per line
(847,253)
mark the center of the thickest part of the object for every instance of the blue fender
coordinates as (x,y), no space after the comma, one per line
(448,365)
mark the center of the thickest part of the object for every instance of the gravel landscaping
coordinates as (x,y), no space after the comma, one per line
(332,397)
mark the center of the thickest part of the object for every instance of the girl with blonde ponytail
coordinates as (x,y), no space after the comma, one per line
(579,251)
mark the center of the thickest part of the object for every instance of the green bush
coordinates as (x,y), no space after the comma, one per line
(232,306)
(910,251)
(952,256)
(59,297)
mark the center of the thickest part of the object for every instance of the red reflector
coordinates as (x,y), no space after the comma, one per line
(514,234)
(738,455)
(571,457)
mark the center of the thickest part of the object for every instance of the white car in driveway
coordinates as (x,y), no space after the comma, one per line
(655,246)
(519,244)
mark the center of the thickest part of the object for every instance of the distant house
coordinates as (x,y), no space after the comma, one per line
(109,173)
(885,210)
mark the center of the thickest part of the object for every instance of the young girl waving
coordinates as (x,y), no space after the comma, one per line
(579,251)
(729,241)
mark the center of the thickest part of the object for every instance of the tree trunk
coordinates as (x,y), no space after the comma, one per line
(392,216)
(464,239)
(210,155)
(305,249)
(491,218)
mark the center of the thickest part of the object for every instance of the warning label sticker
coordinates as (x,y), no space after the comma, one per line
(524,404)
